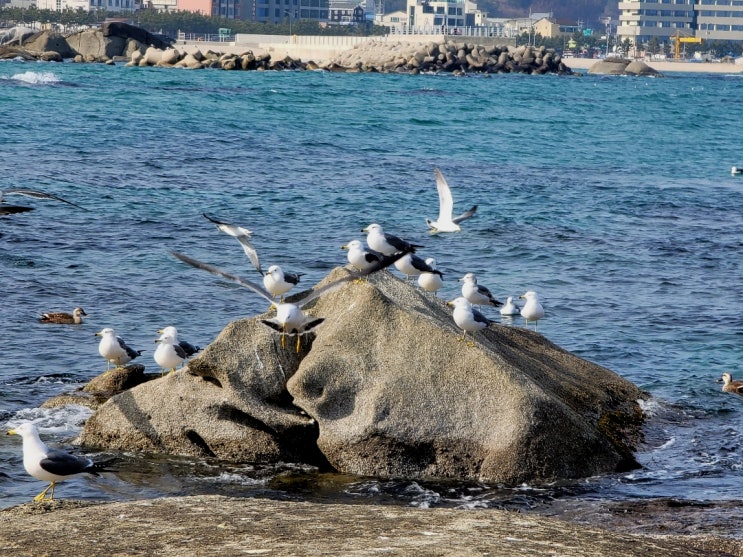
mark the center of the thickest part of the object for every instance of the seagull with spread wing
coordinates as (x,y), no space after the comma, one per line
(290,319)
(11,209)
(446,222)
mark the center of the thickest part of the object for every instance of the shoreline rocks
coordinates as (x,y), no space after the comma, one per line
(225,526)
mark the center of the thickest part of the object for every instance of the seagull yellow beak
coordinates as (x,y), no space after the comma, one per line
(344,247)
(12,432)
(450,303)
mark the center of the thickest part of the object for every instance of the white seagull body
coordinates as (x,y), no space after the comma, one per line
(431,282)
(168,354)
(114,349)
(510,308)
(476,293)
(50,465)
(387,244)
(411,265)
(187,347)
(466,317)
(532,310)
(359,257)
(446,222)
(277,282)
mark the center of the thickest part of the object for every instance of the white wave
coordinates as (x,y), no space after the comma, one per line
(63,419)
(36,78)
(650,407)
(234,479)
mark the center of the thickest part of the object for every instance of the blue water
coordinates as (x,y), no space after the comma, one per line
(611,197)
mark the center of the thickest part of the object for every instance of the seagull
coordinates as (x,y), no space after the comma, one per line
(168,354)
(10,209)
(290,320)
(411,265)
(445,222)
(360,258)
(431,282)
(187,347)
(476,293)
(74,318)
(730,386)
(278,282)
(467,317)
(736,170)
(532,310)
(386,243)
(510,308)
(51,465)
(114,349)
(243,236)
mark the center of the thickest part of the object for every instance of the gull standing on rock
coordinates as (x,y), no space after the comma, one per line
(467,318)
(411,265)
(431,282)
(187,347)
(477,294)
(532,310)
(51,465)
(387,244)
(360,258)
(114,349)
(445,222)
(168,354)
(278,282)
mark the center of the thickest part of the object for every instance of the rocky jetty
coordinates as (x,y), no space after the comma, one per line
(449,56)
(385,388)
(121,42)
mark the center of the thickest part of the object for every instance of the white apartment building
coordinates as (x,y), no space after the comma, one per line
(641,20)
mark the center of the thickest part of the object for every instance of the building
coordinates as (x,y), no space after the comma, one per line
(431,15)
(284,11)
(641,20)
(550,29)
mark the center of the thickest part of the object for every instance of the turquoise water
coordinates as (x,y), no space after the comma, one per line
(611,197)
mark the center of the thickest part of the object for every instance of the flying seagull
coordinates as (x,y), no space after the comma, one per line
(445,222)
(290,320)
(242,235)
(51,465)
(11,209)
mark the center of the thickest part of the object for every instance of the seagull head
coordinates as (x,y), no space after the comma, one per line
(275,271)
(107,332)
(23,430)
(166,339)
(530,296)
(373,228)
(169,330)
(459,303)
(469,278)
(353,245)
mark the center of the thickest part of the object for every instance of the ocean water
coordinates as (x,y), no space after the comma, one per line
(610,196)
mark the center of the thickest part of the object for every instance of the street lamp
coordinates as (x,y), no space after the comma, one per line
(289,15)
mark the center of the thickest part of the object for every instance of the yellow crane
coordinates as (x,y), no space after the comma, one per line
(678,39)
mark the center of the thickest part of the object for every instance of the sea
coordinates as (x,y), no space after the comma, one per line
(610,196)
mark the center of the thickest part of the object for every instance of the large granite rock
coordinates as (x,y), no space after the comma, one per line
(622,66)
(49,41)
(386,389)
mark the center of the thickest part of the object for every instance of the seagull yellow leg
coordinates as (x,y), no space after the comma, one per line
(299,340)
(42,496)
(283,340)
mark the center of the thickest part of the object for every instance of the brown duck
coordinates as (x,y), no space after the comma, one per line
(74,318)
(730,386)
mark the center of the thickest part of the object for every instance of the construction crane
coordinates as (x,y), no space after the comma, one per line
(678,39)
